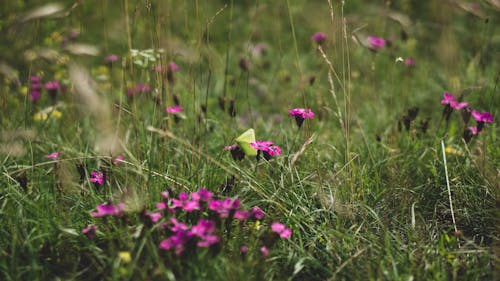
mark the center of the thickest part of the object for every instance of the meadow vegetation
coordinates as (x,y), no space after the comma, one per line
(249,140)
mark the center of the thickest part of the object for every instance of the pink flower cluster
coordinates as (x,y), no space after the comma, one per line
(481,118)
(206,219)
(108,209)
(319,37)
(174,109)
(267,148)
(376,42)
(35,88)
(97,177)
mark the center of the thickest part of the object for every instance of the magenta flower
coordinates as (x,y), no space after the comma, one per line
(97,177)
(202,195)
(281,230)
(224,208)
(409,62)
(110,59)
(173,67)
(241,215)
(261,145)
(274,150)
(176,241)
(474,130)
(118,160)
(104,210)
(53,155)
(264,251)
(177,226)
(319,37)
(376,42)
(244,249)
(174,109)
(208,240)
(301,114)
(161,205)
(257,213)
(458,105)
(447,98)
(35,95)
(52,85)
(89,231)
(155,217)
(484,117)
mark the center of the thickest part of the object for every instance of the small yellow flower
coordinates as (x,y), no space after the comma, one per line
(452,151)
(40,116)
(23,90)
(125,256)
(257,225)
(56,114)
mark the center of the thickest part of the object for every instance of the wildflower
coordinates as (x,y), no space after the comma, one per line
(97,177)
(264,251)
(281,229)
(484,117)
(241,215)
(301,114)
(118,160)
(447,98)
(174,109)
(89,231)
(376,42)
(257,213)
(261,145)
(53,155)
(458,105)
(274,150)
(319,37)
(452,151)
(125,256)
(244,249)
(481,119)
(409,62)
(236,152)
(155,217)
(173,67)
(474,130)
(202,195)
(108,209)
(52,88)
(110,59)
(34,96)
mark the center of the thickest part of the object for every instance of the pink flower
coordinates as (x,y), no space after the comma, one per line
(111,58)
(274,150)
(458,105)
(89,231)
(202,195)
(173,67)
(474,130)
(118,159)
(281,229)
(376,42)
(447,98)
(484,117)
(264,251)
(409,61)
(257,212)
(261,145)
(52,85)
(155,217)
(97,177)
(244,249)
(174,109)
(161,205)
(319,37)
(53,155)
(241,215)
(104,210)
(302,113)
(34,95)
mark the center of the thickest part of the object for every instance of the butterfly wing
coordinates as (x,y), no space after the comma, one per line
(244,141)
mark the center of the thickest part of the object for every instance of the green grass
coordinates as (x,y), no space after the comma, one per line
(364,199)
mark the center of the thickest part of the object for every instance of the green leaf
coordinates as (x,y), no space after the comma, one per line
(244,141)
